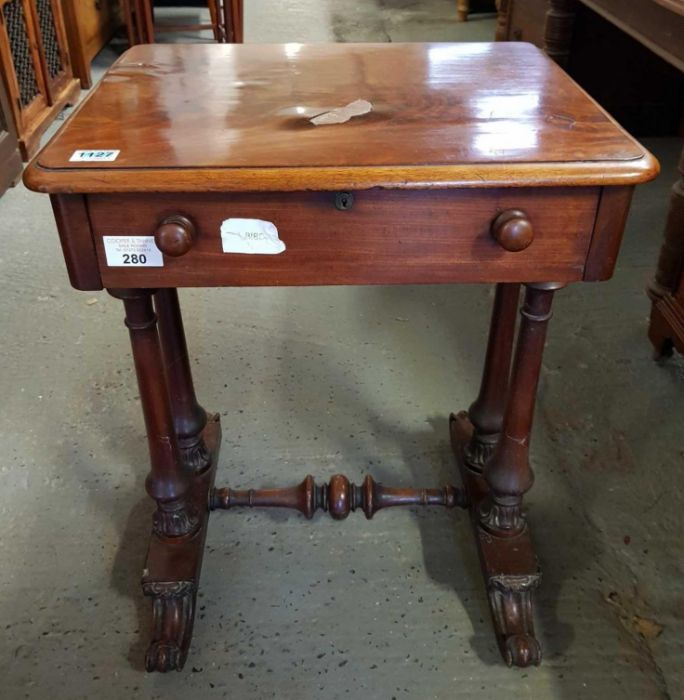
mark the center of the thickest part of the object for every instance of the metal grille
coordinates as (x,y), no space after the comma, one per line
(46,20)
(21,52)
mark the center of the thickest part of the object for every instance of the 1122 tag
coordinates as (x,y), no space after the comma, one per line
(132,251)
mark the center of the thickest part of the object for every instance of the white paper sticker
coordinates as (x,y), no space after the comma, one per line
(340,115)
(94,156)
(132,251)
(250,236)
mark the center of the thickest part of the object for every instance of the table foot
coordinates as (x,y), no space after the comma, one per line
(510,600)
(510,569)
(172,572)
(173,614)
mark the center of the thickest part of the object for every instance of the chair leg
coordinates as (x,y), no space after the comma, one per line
(213,6)
(237,12)
(462,9)
(127,13)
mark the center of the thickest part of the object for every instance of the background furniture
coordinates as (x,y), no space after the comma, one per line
(90,24)
(510,197)
(35,67)
(653,104)
(10,158)
(226,21)
(551,24)
(666,291)
(463,8)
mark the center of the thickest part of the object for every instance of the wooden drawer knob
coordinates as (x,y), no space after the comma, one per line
(175,235)
(513,230)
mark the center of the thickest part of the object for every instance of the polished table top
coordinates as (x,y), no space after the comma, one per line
(237,117)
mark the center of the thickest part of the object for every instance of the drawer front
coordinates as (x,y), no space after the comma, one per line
(386,237)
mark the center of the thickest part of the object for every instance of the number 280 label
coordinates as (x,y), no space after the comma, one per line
(132,251)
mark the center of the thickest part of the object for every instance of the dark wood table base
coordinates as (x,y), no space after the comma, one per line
(172,572)
(510,569)
(491,445)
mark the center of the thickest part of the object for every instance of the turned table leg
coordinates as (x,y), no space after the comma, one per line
(174,558)
(189,417)
(486,413)
(508,473)
(508,563)
(167,482)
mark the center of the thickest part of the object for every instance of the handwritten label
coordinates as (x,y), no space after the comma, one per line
(132,251)
(250,236)
(94,156)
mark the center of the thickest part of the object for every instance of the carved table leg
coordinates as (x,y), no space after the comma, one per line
(666,327)
(189,417)
(486,413)
(174,558)
(508,562)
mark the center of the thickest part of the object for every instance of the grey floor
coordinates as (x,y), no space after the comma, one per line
(355,380)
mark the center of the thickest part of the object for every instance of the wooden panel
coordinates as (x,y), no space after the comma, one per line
(20,63)
(76,238)
(35,67)
(237,117)
(388,237)
(90,24)
(608,230)
(54,54)
(526,21)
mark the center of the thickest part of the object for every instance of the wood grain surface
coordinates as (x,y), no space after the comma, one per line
(236,117)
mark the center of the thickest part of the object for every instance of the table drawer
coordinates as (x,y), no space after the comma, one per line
(386,237)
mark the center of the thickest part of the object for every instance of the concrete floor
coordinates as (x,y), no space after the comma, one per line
(354,380)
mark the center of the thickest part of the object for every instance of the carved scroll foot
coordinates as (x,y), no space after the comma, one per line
(173,613)
(510,569)
(510,599)
(172,572)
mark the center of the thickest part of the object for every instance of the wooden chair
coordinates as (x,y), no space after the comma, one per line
(226,17)
(233,24)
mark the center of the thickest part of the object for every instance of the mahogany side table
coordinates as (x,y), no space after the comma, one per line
(200,166)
